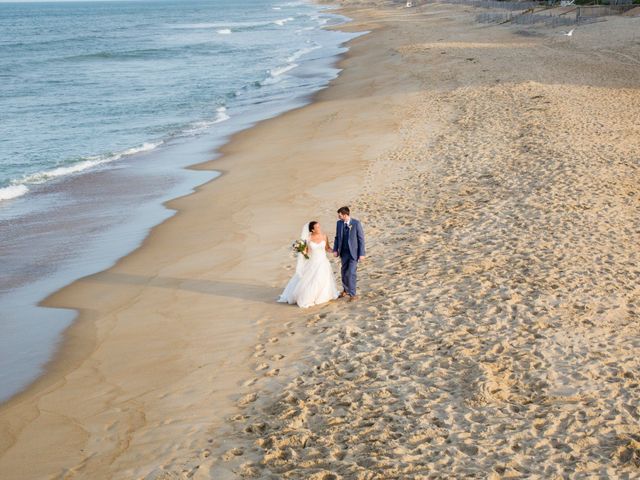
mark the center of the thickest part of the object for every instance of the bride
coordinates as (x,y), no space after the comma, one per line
(313,282)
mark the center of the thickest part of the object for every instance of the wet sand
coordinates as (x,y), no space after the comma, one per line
(164,341)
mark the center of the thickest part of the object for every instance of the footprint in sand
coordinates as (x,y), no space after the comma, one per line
(250,382)
(233,453)
(247,399)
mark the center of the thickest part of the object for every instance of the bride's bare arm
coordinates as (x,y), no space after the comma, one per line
(327,245)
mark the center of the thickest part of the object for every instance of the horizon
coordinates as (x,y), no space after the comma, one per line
(75,1)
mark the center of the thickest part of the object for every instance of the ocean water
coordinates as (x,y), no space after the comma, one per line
(90,82)
(103,105)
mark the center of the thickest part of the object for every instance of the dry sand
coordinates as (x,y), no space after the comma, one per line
(496,172)
(498,333)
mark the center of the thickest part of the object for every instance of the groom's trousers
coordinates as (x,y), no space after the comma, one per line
(349,268)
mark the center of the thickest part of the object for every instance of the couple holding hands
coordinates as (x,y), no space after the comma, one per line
(313,282)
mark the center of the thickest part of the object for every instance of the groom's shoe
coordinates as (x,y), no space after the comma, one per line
(353,298)
(342,294)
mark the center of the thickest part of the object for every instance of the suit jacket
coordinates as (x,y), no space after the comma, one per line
(356,239)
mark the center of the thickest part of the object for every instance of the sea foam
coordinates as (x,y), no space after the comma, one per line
(276,72)
(282,21)
(12,191)
(196,128)
(302,52)
(223,25)
(89,162)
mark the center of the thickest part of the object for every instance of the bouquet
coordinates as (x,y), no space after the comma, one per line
(300,246)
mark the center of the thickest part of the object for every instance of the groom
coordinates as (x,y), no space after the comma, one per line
(349,246)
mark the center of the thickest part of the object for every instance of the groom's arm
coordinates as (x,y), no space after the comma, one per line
(360,234)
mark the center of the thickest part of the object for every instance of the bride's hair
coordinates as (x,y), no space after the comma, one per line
(312,225)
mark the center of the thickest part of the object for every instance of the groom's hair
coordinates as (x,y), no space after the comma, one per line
(343,210)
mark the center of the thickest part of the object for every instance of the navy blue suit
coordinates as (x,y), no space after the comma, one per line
(349,245)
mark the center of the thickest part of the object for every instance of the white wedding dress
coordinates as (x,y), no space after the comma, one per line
(313,283)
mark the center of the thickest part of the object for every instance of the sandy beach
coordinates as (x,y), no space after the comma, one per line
(495,169)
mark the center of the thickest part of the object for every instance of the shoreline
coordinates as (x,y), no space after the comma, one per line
(83,337)
(182,182)
(419,130)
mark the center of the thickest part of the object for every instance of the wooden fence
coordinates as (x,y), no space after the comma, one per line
(524,13)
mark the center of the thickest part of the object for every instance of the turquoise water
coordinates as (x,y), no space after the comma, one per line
(86,83)
(103,105)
